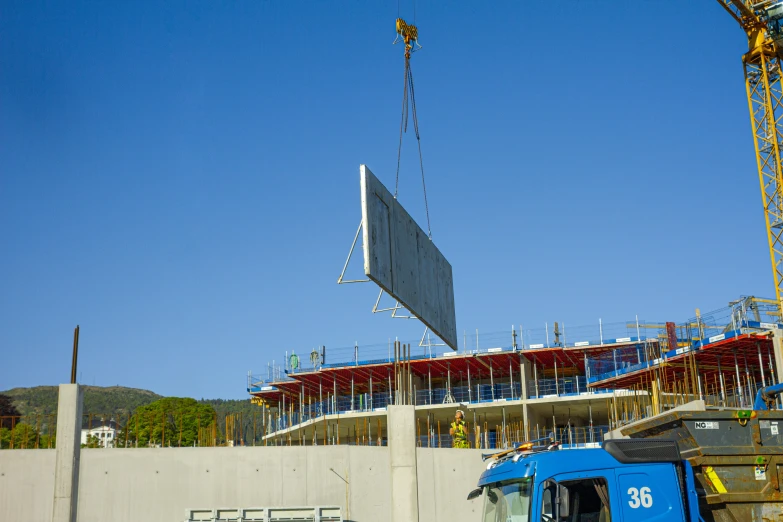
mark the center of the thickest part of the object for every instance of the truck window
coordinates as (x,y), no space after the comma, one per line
(584,500)
(508,501)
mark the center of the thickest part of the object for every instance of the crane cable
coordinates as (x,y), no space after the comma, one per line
(409,34)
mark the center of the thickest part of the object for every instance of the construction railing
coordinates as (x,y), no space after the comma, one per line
(745,314)
(513,340)
(498,437)
(478,393)
(564,386)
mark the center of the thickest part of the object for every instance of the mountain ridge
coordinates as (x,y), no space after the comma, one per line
(42,400)
(119,402)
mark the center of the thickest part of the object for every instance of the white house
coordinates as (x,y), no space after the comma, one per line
(106,433)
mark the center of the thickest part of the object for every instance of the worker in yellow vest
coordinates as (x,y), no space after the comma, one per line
(459,431)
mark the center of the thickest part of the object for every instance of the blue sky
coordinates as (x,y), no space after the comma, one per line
(182,180)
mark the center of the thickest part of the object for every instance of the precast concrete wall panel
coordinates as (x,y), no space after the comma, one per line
(26,484)
(377,236)
(405,258)
(127,485)
(427,501)
(370,485)
(445,478)
(400,257)
(448,317)
(294,477)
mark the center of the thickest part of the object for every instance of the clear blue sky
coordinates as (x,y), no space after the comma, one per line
(182,180)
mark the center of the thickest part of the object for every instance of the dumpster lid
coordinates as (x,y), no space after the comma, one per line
(630,451)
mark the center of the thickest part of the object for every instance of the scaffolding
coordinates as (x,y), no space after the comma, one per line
(602,375)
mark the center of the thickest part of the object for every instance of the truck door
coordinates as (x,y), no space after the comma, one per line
(578,497)
(650,493)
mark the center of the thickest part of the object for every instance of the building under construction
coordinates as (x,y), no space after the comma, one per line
(568,384)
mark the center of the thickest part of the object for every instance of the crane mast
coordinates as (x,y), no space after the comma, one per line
(762,23)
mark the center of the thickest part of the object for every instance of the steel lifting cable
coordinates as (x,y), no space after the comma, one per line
(403,125)
(410,34)
(421,159)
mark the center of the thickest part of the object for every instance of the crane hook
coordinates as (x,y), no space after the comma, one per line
(409,34)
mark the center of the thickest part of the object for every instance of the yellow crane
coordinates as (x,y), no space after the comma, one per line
(762,22)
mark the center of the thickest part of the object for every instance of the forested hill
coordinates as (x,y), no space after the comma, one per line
(119,402)
(42,400)
(115,400)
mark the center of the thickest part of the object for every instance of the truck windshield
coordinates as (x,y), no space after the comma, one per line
(508,501)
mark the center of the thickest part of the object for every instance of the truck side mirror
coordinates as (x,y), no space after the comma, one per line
(492,496)
(562,502)
(475,493)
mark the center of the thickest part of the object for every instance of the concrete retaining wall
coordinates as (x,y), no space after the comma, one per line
(395,483)
(445,478)
(26,484)
(127,485)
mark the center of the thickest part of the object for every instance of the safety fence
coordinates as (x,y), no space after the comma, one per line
(515,339)
(311,410)
(499,437)
(337,430)
(609,365)
(564,386)
(365,402)
(434,434)
(745,314)
(477,393)
(626,358)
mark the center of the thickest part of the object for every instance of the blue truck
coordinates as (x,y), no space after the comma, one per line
(689,466)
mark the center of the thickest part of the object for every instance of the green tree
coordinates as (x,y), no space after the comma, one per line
(47,441)
(23,436)
(171,421)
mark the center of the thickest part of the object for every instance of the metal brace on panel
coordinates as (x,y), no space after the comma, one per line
(375,309)
(393,309)
(350,254)
(429,344)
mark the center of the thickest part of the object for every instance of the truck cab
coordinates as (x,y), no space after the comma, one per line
(622,481)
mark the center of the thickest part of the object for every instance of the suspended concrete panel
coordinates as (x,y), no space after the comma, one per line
(401,259)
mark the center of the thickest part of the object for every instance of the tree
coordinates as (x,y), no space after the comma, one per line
(23,436)
(7,410)
(171,421)
(47,441)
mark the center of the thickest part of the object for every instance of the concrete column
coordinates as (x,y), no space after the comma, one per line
(524,367)
(66,471)
(401,421)
(777,348)
(526,376)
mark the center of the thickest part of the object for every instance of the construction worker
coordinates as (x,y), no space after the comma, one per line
(458,431)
